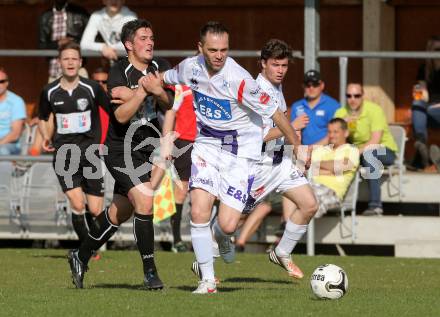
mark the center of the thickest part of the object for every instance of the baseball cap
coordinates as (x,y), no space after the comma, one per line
(312,76)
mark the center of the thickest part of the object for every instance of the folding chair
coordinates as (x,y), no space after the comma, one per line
(27,138)
(9,194)
(40,199)
(395,171)
(347,204)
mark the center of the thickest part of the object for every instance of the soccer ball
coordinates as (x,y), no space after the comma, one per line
(329,281)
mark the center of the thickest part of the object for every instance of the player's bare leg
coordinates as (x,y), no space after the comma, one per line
(304,198)
(78,208)
(224,227)
(252,223)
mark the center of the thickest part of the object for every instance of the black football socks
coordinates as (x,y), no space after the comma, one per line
(97,236)
(79,225)
(144,235)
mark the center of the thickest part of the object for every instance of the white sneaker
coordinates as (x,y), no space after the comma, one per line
(286,263)
(376,211)
(206,287)
(195,268)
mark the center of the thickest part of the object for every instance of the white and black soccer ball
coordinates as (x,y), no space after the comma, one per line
(329,281)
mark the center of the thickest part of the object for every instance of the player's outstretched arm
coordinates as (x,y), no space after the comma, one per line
(272,134)
(168,133)
(283,124)
(153,84)
(126,111)
(121,94)
(170,115)
(275,133)
(169,122)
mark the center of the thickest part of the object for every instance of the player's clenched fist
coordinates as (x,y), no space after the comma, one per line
(152,83)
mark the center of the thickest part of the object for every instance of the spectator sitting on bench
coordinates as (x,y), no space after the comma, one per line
(12,116)
(310,117)
(333,167)
(369,131)
(426,108)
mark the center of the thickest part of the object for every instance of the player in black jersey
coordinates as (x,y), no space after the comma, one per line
(70,126)
(133,119)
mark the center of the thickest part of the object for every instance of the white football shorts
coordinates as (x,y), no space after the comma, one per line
(279,178)
(222,174)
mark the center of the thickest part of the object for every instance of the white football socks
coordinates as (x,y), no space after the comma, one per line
(201,238)
(292,234)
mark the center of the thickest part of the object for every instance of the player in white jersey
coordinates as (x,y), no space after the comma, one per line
(229,106)
(276,171)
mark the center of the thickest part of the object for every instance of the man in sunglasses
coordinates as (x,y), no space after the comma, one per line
(312,114)
(100,76)
(12,115)
(369,131)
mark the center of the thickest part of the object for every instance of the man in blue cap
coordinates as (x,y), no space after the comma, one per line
(312,114)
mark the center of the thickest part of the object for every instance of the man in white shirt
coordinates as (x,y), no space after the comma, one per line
(275,171)
(229,106)
(107,24)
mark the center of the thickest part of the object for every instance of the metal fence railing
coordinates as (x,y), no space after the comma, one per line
(162,53)
(342,56)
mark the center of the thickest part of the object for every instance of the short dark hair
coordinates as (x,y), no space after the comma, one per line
(129,29)
(277,49)
(70,45)
(99,70)
(212,27)
(343,124)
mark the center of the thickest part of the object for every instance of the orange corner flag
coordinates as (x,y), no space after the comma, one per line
(163,203)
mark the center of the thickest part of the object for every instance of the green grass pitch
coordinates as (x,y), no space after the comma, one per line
(37,283)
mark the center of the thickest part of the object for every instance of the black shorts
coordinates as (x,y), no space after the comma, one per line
(123,182)
(90,184)
(183,162)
